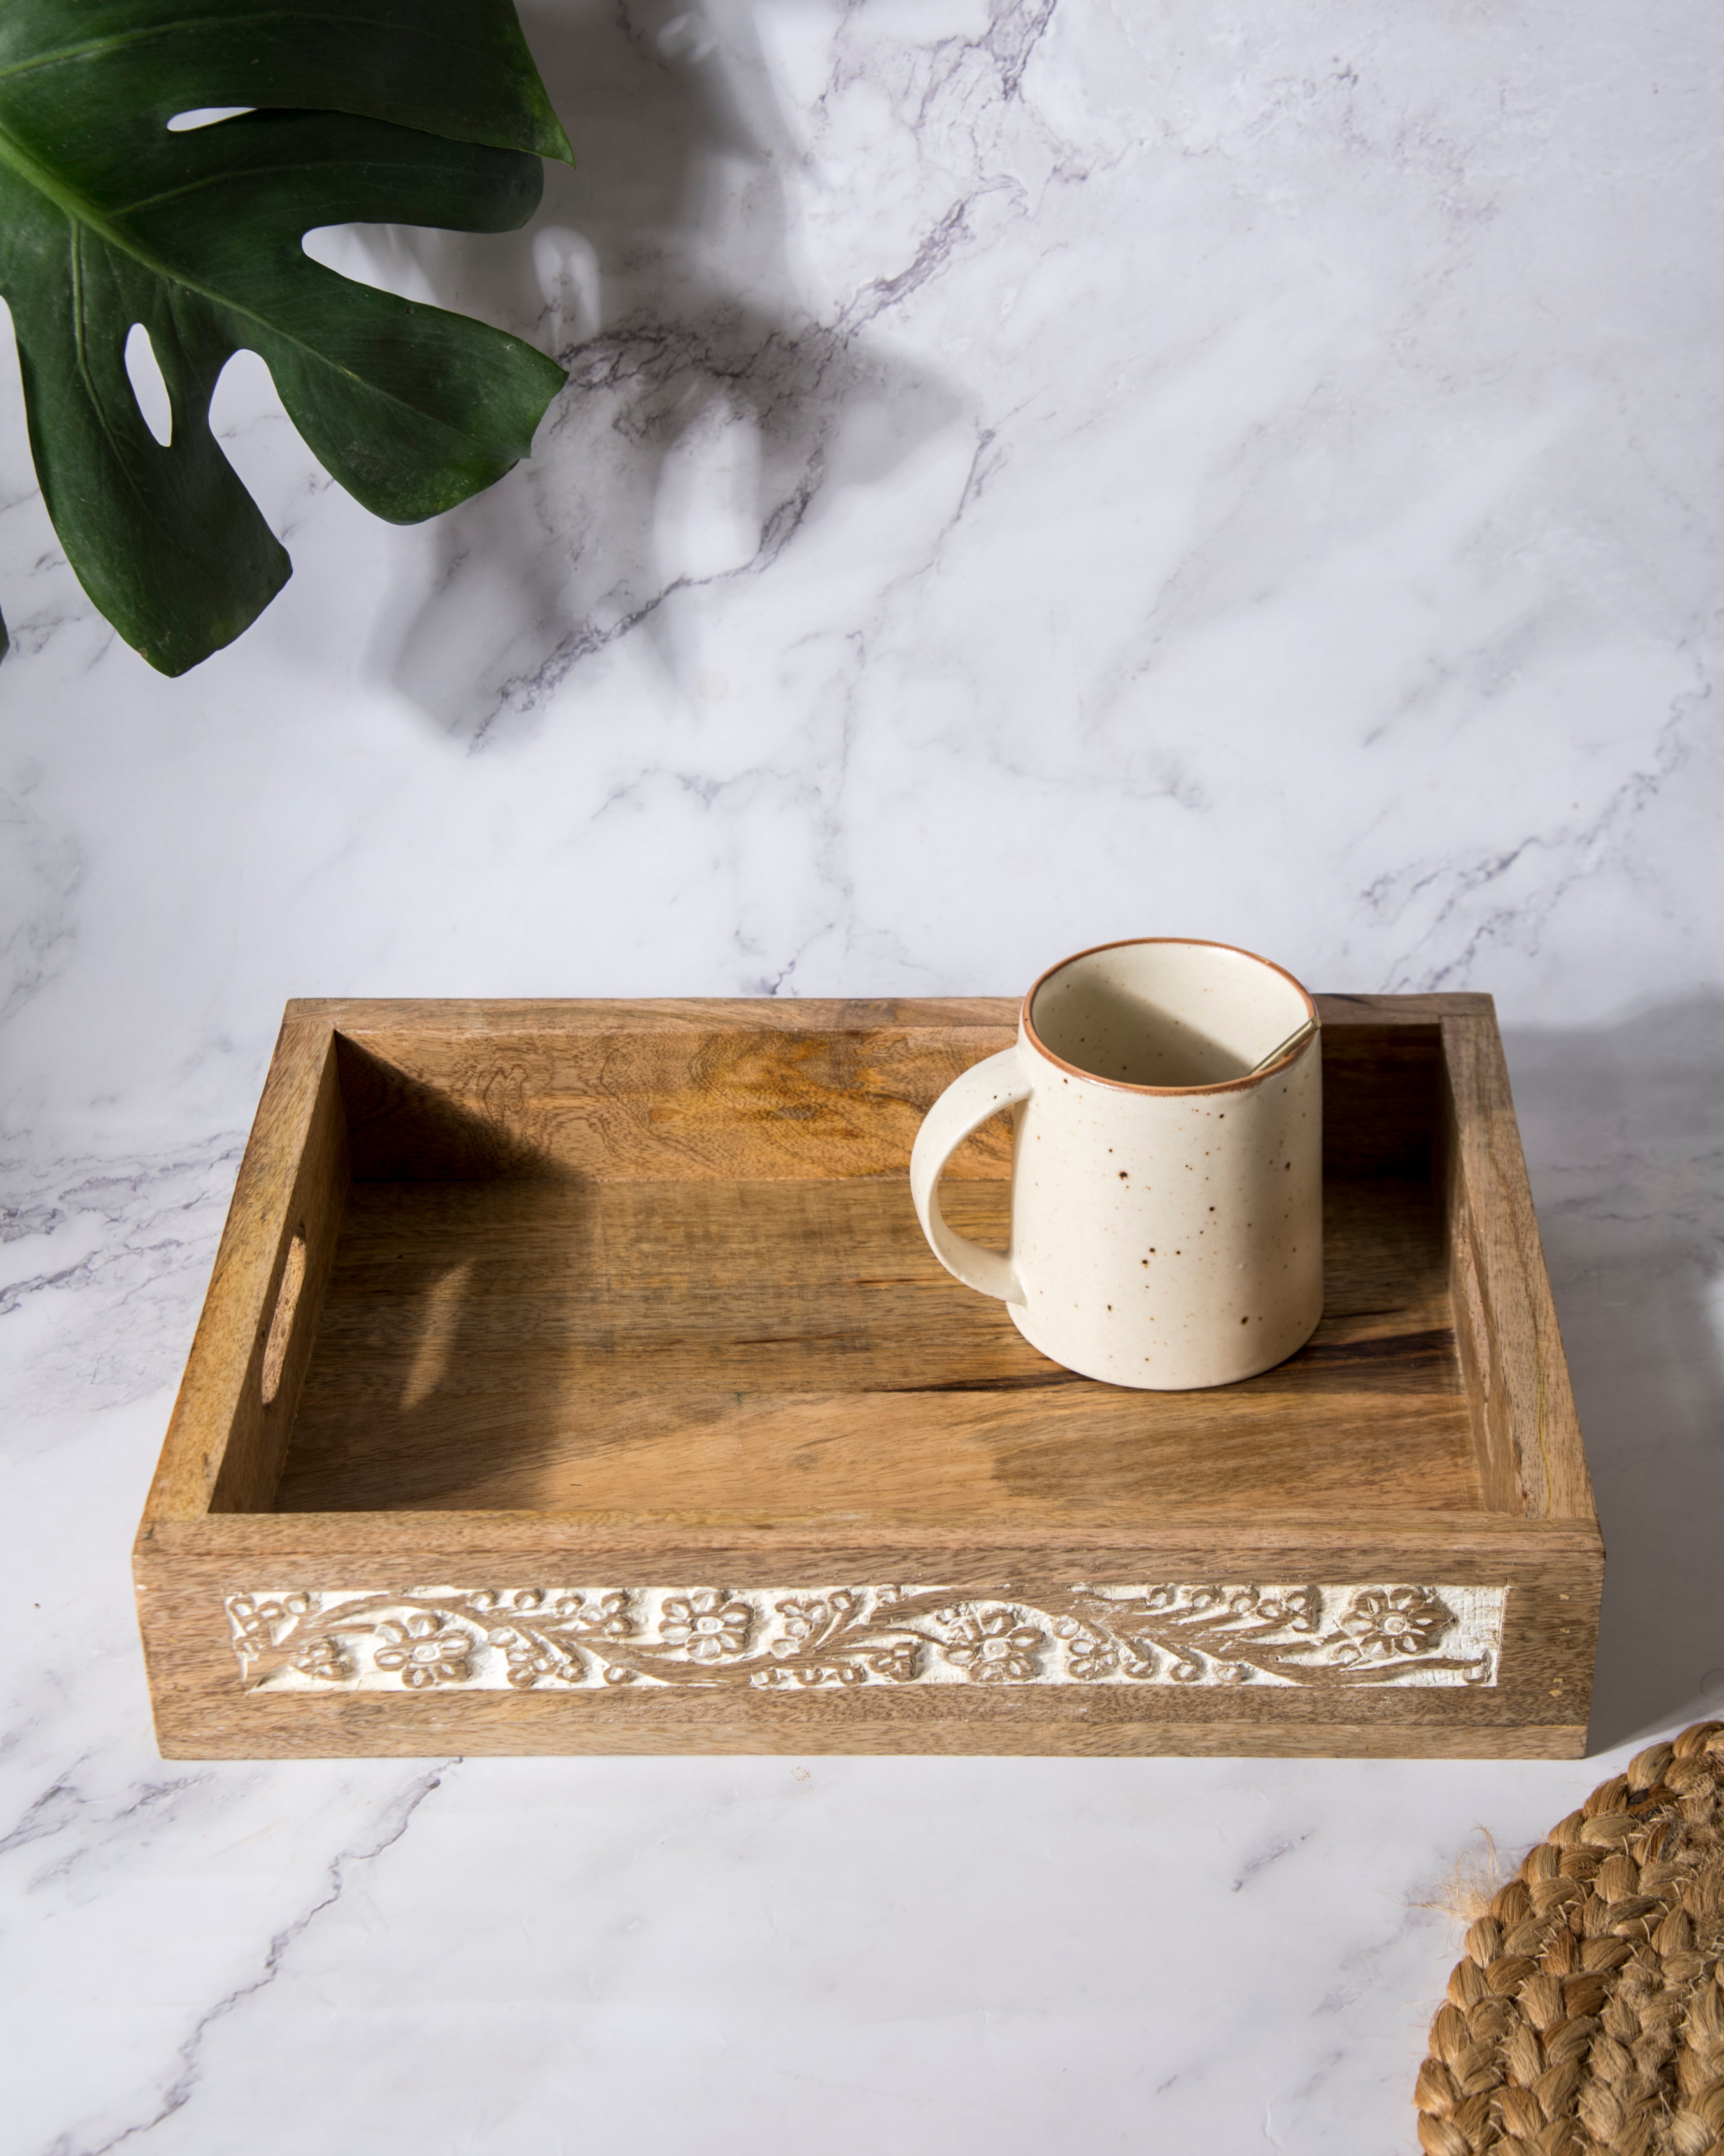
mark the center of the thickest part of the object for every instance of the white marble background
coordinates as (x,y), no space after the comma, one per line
(1035,472)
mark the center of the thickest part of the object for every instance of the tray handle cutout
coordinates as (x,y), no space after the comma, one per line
(287,1302)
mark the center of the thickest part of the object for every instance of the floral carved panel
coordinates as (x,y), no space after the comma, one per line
(430,1639)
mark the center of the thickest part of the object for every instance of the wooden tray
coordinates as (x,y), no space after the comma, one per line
(573,1377)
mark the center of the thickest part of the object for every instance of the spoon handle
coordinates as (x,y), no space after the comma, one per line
(1297,1039)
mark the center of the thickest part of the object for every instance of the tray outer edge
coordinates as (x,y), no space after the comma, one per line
(184,1562)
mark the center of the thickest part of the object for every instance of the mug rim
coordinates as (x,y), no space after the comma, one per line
(1166,1092)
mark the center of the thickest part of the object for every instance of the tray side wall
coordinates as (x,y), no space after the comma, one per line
(224,1447)
(1531,1458)
(667,1104)
(1537,1709)
(702,1088)
(263,1428)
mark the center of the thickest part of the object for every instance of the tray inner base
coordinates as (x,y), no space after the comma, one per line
(771,1353)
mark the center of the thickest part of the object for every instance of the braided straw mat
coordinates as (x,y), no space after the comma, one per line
(1589,2013)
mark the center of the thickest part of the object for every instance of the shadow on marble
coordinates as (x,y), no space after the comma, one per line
(708,412)
(1624,1133)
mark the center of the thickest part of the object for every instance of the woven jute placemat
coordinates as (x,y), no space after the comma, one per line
(1589,2014)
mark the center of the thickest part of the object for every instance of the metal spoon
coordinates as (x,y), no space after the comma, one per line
(1297,1039)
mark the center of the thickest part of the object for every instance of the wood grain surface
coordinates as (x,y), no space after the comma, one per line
(715,1351)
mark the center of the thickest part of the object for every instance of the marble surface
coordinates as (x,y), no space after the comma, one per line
(1032,473)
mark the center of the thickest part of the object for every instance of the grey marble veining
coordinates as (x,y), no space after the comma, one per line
(1031,475)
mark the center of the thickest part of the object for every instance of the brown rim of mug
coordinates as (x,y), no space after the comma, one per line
(1169,1092)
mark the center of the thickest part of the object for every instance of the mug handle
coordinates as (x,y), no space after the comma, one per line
(1000,1081)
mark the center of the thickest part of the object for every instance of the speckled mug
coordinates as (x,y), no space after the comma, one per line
(1166,1196)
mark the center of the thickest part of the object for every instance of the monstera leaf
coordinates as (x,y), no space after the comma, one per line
(396,111)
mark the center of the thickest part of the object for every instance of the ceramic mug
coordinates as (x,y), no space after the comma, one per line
(1167,1195)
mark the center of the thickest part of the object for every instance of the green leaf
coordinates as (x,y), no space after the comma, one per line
(409,112)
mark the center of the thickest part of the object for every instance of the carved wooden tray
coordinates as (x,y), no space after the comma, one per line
(574,1377)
